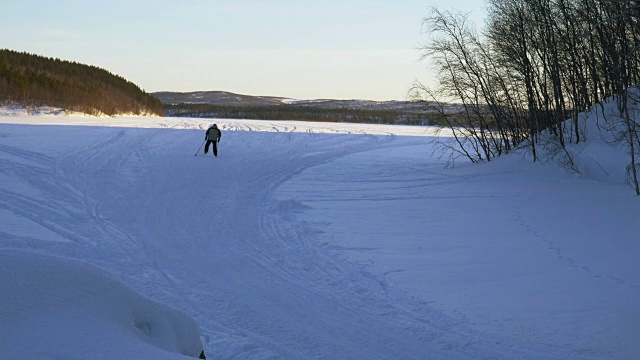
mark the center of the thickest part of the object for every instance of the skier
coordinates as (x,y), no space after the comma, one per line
(213,136)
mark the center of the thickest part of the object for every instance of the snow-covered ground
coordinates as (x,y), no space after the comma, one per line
(306,240)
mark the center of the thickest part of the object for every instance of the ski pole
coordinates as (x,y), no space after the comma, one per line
(197,151)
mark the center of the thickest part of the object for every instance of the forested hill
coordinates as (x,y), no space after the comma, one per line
(223,104)
(33,80)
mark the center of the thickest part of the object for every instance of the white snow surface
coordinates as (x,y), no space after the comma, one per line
(304,241)
(64,309)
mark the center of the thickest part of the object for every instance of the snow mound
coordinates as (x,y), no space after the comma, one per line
(601,157)
(59,308)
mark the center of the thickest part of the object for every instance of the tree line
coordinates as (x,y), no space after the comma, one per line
(33,80)
(536,64)
(299,112)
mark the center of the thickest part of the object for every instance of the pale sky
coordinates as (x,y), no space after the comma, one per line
(341,49)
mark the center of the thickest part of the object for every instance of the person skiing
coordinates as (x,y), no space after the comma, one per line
(213,136)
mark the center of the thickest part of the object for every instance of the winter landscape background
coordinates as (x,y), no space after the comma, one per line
(306,240)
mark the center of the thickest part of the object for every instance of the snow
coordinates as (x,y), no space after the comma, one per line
(306,240)
(60,308)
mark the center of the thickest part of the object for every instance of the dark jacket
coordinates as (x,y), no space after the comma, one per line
(213,134)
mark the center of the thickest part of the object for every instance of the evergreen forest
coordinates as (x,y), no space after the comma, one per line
(302,113)
(33,80)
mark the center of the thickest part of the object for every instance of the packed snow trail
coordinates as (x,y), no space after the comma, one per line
(209,236)
(520,249)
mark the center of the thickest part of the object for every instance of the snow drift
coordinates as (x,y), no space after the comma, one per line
(58,308)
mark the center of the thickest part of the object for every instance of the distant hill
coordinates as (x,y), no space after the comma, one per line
(216,98)
(223,104)
(224,98)
(33,80)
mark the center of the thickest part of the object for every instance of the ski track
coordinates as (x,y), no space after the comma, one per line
(207,236)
